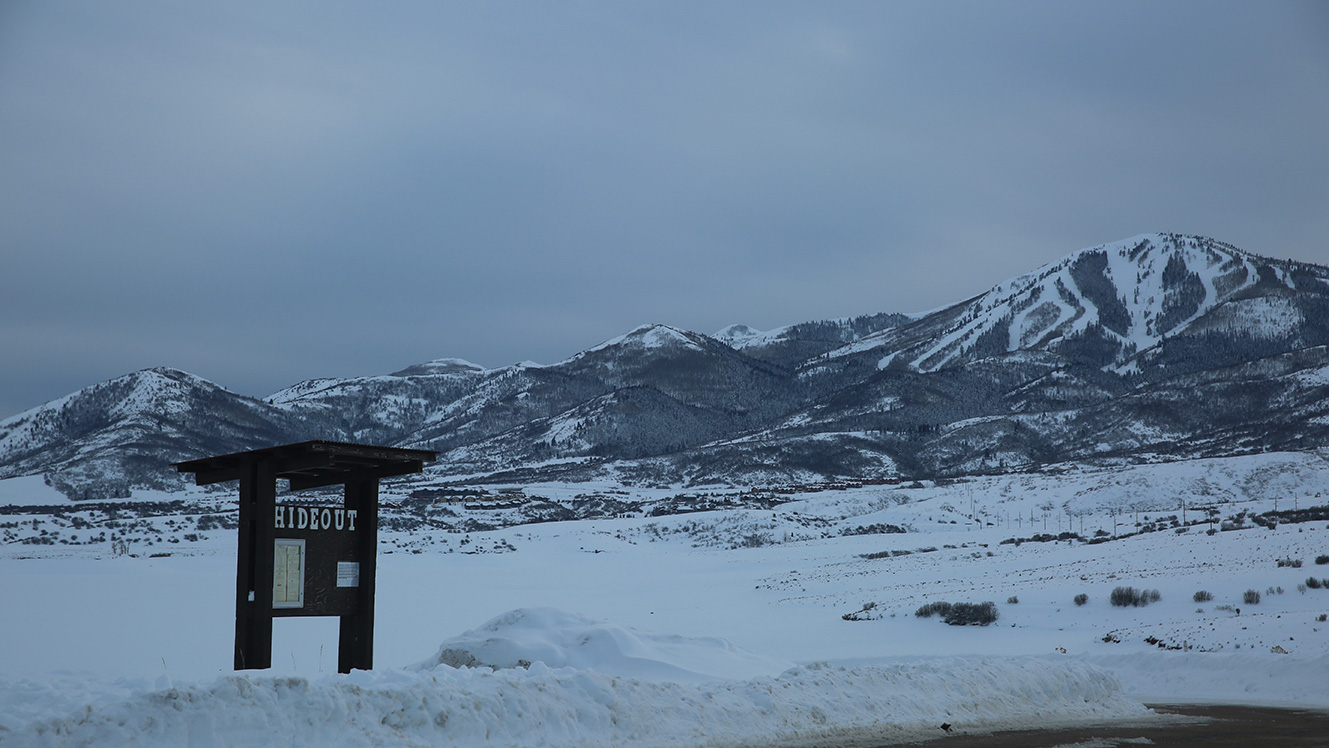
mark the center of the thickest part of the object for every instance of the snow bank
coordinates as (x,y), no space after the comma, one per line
(558,679)
(1220,678)
(558,639)
(543,706)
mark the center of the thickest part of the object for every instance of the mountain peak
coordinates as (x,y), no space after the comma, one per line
(1105,305)
(737,335)
(440,366)
(647,337)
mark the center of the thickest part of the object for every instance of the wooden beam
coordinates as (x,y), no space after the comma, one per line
(336,478)
(209,476)
(372,453)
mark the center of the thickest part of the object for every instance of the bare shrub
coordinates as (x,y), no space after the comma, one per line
(1123,597)
(960,614)
(932,609)
(971,614)
(1081,599)
(1203,596)
(1251,597)
(862,614)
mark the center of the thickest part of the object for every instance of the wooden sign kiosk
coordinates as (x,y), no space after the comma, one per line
(302,559)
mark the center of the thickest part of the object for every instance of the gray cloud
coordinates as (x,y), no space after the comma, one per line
(262,194)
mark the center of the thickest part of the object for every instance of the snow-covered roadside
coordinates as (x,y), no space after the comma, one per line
(543,706)
(135,649)
(1220,678)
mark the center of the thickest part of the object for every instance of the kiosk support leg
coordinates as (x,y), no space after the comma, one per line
(355,648)
(253,589)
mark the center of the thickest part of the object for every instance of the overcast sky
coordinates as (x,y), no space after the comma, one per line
(265,192)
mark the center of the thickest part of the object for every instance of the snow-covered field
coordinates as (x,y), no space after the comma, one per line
(710,628)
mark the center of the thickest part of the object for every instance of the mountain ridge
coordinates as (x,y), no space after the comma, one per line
(1104,354)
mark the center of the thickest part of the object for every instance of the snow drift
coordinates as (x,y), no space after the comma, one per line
(539,705)
(558,639)
(1220,678)
(543,706)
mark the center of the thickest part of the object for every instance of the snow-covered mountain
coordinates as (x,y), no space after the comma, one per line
(1135,307)
(102,440)
(1158,347)
(792,345)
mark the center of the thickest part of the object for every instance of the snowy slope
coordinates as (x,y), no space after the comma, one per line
(781,626)
(104,439)
(1112,301)
(378,410)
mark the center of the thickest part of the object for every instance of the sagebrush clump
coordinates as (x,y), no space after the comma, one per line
(971,614)
(1203,596)
(932,609)
(1130,597)
(960,614)
(1251,597)
(862,614)
(1081,599)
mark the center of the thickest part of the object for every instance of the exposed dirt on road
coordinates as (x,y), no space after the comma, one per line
(1217,726)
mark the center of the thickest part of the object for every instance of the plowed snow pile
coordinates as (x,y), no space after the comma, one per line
(560,639)
(626,688)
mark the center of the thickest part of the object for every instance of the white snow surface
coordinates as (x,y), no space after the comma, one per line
(29,490)
(560,639)
(710,628)
(543,706)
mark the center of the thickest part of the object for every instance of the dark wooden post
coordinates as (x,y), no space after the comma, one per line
(355,648)
(253,587)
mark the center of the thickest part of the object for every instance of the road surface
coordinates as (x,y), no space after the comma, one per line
(1216,726)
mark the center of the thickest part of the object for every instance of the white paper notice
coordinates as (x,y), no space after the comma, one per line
(288,573)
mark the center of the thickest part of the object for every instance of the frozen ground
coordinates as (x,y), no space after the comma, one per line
(713,628)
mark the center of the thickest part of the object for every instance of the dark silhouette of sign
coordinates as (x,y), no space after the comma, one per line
(298,559)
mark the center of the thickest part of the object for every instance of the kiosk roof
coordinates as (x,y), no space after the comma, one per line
(313,464)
